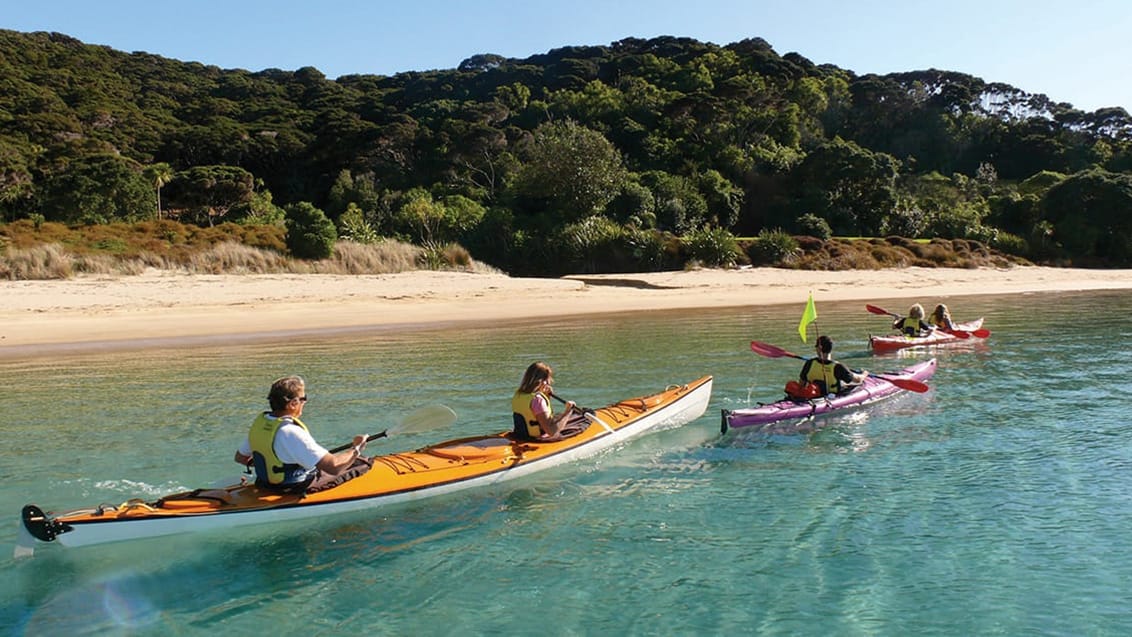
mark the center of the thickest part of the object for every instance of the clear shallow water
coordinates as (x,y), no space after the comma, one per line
(995,504)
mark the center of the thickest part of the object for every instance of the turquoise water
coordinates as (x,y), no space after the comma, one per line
(996,504)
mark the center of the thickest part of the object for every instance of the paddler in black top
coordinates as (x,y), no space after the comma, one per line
(829,375)
(914,324)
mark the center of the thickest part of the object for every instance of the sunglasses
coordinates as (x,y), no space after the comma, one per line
(301,399)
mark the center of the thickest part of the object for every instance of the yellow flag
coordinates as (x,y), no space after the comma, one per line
(808,317)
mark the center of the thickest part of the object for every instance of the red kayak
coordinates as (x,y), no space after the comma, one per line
(964,332)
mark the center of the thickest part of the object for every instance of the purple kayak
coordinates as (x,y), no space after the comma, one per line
(876,387)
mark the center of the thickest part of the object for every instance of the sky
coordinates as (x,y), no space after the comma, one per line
(1076,52)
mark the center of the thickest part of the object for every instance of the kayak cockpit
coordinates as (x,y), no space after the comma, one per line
(478,449)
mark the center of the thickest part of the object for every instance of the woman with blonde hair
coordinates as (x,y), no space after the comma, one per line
(941,318)
(913,324)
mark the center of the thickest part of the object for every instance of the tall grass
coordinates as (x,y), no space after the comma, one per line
(54,261)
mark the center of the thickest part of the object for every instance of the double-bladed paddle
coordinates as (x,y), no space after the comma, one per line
(580,410)
(423,419)
(773,351)
(980,333)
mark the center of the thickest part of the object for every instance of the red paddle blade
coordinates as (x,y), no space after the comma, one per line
(879,310)
(766,349)
(770,351)
(958,333)
(980,333)
(906,383)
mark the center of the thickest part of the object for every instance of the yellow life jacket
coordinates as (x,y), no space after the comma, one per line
(269,469)
(822,374)
(526,423)
(911,326)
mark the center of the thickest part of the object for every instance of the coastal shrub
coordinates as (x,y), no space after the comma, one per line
(773,247)
(932,252)
(907,221)
(809,244)
(1010,244)
(456,256)
(900,242)
(635,205)
(887,256)
(713,247)
(112,245)
(431,255)
(52,250)
(446,256)
(310,234)
(272,237)
(590,243)
(812,225)
(352,225)
(646,249)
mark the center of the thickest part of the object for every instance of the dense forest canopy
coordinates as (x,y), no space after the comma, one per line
(593,157)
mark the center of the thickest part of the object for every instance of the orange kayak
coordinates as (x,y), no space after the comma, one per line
(442,468)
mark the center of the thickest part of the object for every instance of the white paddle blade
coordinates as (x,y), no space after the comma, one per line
(425,418)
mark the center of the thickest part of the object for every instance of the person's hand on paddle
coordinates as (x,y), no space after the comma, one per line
(360,444)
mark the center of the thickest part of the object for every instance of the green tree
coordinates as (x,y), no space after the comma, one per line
(432,221)
(15,180)
(1090,215)
(208,193)
(348,189)
(722,197)
(310,234)
(851,187)
(159,175)
(515,96)
(947,207)
(98,189)
(679,205)
(259,210)
(570,171)
(634,206)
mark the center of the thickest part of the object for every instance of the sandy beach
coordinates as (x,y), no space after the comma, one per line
(161,307)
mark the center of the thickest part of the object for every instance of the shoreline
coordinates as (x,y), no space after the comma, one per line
(162,308)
